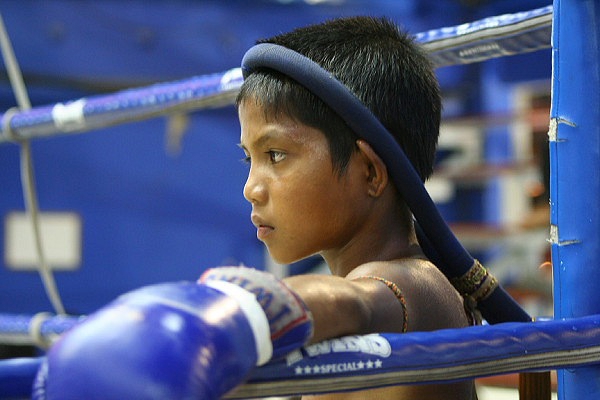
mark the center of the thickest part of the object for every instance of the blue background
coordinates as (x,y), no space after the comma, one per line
(149,216)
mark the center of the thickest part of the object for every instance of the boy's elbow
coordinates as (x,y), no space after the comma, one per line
(339,307)
(357,314)
(365,317)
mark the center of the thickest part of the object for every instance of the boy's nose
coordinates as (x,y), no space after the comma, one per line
(254,190)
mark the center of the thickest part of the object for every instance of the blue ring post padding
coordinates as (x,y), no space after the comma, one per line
(457,261)
(574,175)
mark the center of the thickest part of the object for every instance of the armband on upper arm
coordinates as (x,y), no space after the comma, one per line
(398,293)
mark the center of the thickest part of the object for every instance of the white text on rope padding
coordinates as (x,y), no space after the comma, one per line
(373,345)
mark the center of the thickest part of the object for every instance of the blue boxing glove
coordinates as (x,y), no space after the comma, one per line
(176,340)
(290,321)
(169,341)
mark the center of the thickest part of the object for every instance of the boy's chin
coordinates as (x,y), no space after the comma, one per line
(284,259)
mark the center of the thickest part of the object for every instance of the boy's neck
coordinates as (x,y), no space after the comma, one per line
(392,243)
(386,232)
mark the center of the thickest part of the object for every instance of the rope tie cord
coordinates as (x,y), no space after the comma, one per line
(35,330)
(475,286)
(477,283)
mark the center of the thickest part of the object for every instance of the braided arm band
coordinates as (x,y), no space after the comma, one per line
(398,293)
(475,286)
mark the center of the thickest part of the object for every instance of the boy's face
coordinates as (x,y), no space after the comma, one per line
(300,205)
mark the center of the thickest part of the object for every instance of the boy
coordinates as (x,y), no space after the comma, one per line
(316,187)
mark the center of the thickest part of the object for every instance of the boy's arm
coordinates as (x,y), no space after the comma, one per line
(359,305)
(355,305)
(345,307)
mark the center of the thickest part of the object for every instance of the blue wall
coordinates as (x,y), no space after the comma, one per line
(149,216)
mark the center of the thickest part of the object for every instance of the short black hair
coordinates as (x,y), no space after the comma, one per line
(381,64)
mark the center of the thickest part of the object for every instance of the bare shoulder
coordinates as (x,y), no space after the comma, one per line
(431,301)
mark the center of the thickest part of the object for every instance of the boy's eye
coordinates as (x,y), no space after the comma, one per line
(276,156)
(247,159)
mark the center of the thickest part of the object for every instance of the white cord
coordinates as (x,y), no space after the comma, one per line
(27,175)
(35,330)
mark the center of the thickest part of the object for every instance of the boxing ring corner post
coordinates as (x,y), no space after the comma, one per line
(574,141)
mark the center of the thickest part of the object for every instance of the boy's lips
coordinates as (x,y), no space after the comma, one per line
(262,228)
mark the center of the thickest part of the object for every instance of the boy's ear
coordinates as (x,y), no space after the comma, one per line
(376,170)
